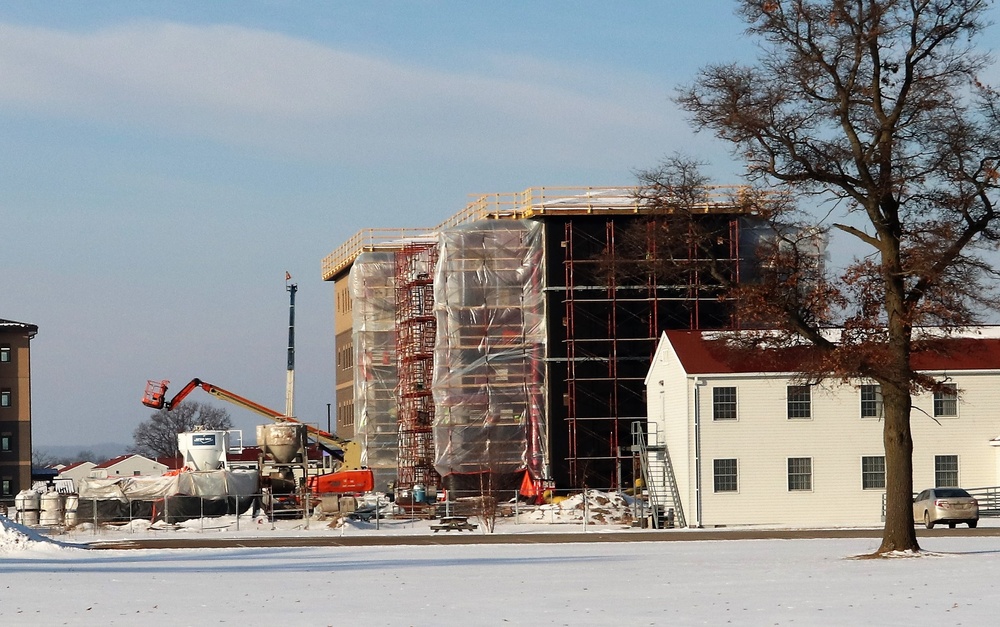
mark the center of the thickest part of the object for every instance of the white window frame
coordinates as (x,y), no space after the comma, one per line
(939,473)
(726,404)
(873,406)
(735,475)
(946,405)
(799,403)
(867,473)
(789,474)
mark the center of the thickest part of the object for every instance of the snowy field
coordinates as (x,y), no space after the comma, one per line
(751,582)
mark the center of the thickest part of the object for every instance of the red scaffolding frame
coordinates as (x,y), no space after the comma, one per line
(415,335)
(609,303)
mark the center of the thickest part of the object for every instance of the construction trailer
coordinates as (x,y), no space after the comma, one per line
(538,357)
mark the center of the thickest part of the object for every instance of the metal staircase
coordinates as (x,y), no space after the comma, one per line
(658,478)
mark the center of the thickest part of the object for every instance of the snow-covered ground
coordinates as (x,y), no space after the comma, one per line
(747,582)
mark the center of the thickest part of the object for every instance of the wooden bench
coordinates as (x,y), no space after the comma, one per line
(458,523)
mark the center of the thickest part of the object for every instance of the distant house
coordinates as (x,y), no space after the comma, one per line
(76,471)
(749,444)
(128,466)
(15,407)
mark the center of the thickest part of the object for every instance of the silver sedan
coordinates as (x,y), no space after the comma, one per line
(946,505)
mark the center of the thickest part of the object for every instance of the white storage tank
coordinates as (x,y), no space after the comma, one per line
(72,503)
(203,449)
(51,509)
(27,504)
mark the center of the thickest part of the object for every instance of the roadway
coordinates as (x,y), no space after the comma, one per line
(638,535)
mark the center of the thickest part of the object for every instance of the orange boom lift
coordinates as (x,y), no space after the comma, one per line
(350,478)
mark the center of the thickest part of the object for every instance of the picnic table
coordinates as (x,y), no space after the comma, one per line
(458,523)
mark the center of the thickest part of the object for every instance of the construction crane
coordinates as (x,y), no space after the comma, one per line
(156,398)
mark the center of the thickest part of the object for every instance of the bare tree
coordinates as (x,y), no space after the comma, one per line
(157,437)
(42,459)
(488,507)
(45,459)
(875,108)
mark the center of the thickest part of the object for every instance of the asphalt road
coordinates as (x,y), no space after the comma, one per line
(686,535)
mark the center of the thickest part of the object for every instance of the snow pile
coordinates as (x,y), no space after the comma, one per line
(598,508)
(16,537)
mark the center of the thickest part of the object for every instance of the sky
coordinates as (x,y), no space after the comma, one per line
(713,582)
(164,164)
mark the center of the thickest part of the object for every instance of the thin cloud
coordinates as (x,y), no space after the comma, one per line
(272,92)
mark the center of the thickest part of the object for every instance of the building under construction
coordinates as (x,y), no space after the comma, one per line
(496,344)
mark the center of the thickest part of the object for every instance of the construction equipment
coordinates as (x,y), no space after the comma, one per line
(350,478)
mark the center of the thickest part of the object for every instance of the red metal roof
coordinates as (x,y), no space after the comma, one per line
(710,356)
(116,460)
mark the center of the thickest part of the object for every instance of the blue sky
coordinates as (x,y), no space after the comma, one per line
(165,163)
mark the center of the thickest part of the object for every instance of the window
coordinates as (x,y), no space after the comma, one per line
(4,398)
(6,442)
(799,403)
(871,401)
(6,486)
(799,473)
(4,353)
(725,475)
(946,400)
(723,403)
(873,472)
(946,471)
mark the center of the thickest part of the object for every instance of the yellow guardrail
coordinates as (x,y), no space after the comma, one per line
(533,201)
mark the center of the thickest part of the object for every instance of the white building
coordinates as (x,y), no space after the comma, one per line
(128,466)
(749,445)
(76,471)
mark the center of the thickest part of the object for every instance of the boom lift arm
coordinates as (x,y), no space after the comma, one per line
(156,392)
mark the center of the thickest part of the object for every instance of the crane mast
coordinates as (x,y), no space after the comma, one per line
(290,378)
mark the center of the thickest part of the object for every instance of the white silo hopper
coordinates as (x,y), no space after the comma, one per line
(203,449)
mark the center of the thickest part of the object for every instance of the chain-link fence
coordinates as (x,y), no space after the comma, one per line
(62,512)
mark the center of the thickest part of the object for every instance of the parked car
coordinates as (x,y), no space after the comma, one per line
(946,505)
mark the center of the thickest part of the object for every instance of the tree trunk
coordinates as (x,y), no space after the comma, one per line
(898,533)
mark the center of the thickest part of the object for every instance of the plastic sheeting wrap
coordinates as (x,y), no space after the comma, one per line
(373,287)
(489,353)
(206,484)
(173,498)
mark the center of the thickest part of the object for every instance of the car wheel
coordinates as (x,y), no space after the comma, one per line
(973,523)
(927,520)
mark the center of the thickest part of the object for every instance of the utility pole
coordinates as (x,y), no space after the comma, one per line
(290,381)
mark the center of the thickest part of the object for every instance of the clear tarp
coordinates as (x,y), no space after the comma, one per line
(373,287)
(489,353)
(172,498)
(212,483)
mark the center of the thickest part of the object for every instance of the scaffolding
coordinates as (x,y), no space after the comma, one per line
(373,292)
(611,327)
(489,378)
(415,335)
(548,375)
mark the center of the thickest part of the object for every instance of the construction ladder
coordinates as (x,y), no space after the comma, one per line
(657,477)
